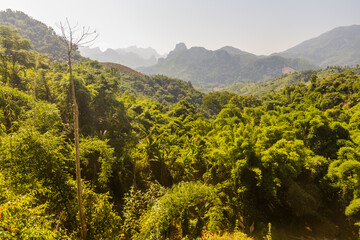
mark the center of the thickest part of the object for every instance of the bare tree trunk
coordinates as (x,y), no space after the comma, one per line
(77,153)
(71,42)
(34,115)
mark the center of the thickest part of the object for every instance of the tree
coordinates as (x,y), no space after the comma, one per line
(185,211)
(215,101)
(72,43)
(15,55)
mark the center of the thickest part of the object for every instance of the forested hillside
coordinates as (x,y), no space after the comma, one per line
(43,38)
(276,84)
(160,166)
(160,88)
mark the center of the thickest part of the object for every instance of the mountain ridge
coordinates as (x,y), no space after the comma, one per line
(132,56)
(339,46)
(212,69)
(145,53)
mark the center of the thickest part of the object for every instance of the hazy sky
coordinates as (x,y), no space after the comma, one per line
(256,26)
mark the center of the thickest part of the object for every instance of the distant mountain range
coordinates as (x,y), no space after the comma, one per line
(132,56)
(211,70)
(340,46)
(207,70)
(44,39)
(145,53)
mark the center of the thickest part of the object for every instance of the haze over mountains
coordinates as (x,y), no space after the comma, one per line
(132,56)
(340,46)
(228,65)
(222,67)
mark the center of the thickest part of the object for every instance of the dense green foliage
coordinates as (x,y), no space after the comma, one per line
(160,166)
(211,70)
(162,89)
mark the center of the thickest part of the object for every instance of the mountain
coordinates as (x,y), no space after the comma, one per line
(145,53)
(43,38)
(87,51)
(210,70)
(340,46)
(132,57)
(235,51)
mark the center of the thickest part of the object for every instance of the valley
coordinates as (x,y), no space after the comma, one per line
(198,144)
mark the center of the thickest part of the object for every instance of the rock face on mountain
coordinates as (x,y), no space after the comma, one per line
(214,69)
(340,46)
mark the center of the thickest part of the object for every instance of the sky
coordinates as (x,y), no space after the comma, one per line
(261,27)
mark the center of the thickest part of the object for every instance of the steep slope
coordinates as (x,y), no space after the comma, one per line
(215,69)
(122,69)
(340,46)
(42,37)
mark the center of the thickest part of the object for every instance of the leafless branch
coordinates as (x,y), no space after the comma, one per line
(69,34)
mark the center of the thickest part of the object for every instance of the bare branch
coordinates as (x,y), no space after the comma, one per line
(72,39)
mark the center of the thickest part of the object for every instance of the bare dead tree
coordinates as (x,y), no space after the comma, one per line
(73,41)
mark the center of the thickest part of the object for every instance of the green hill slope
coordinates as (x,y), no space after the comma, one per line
(163,89)
(42,37)
(276,84)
